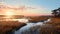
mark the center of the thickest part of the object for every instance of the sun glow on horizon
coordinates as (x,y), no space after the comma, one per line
(26,10)
(9,14)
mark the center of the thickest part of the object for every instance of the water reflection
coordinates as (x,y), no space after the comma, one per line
(19,20)
(28,28)
(31,28)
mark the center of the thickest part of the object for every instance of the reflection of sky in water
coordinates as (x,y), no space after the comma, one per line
(24,28)
(31,28)
(27,29)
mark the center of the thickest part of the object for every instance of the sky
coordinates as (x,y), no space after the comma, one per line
(29,7)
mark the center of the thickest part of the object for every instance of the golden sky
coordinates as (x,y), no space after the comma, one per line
(23,10)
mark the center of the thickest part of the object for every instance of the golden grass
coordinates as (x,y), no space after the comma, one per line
(52,27)
(9,25)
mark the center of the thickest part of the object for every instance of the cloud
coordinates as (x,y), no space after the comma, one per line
(24,9)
